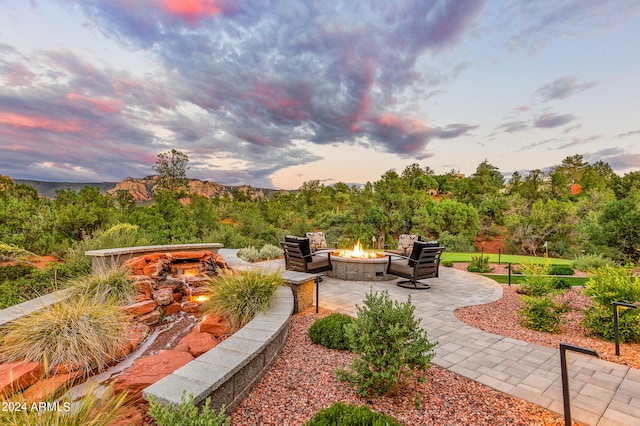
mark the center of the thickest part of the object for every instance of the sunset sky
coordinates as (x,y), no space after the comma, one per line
(275,93)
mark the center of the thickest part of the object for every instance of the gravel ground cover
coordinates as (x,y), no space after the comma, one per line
(302,381)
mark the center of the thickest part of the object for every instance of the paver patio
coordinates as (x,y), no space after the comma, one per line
(602,393)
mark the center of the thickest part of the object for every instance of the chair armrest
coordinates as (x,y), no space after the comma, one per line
(386,253)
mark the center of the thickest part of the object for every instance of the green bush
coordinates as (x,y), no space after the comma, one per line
(561,270)
(599,321)
(389,342)
(537,281)
(339,414)
(542,314)
(249,254)
(330,331)
(456,243)
(13,272)
(187,413)
(113,284)
(447,263)
(607,285)
(80,330)
(480,264)
(589,262)
(613,284)
(269,251)
(238,297)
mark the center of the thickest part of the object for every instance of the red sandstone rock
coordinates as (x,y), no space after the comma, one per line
(152,318)
(64,368)
(51,387)
(172,309)
(177,296)
(163,296)
(140,308)
(135,334)
(150,269)
(196,343)
(214,325)
(19,375)
(144,287)
(191,307)
(182,255)
(148,370)
(199,291)
(141,298)
(137,263)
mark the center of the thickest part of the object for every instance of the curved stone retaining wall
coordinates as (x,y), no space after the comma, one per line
(229,371)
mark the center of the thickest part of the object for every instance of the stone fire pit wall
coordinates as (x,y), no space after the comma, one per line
(227,372)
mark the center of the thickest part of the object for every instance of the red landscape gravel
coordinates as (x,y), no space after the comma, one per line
(302,381)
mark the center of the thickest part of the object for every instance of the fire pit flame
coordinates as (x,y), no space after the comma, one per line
(358,253)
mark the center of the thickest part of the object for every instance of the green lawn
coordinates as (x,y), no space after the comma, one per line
(519,279)
(504,258)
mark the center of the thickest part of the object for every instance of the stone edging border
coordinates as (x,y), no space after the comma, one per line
(229,371)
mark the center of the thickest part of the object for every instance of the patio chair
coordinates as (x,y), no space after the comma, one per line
(423,262)
(405,244)
(298,256)
(316,240)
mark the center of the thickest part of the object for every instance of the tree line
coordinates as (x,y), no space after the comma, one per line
(574,207)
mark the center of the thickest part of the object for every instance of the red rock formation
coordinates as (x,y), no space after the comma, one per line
(19,375)
(214,324)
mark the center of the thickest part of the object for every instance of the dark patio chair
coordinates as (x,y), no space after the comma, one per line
(405,244)
(423,263)
(298,256)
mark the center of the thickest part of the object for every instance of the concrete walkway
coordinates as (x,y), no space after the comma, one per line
(602,393)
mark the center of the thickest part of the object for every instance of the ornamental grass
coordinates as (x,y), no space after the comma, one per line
(113,284)
(238,297)
(82,331)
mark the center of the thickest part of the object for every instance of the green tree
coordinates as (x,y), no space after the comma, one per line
(171,169)
(617,231)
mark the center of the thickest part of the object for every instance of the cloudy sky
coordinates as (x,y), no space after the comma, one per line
(275,93)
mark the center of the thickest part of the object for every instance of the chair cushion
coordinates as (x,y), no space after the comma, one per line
(304,245)
(318,262)
(316,240)
(406,241)
(417,251)
(400,265)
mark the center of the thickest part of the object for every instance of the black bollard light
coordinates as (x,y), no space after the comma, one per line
(317,292)
(564,347)
(615,321)
(509,268)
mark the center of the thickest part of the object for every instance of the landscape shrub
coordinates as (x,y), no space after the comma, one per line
(389,342)
(269,251)
(90,409)
(13,272)
(599,322)
(479,264)
(613,284)
(561,270)
(447,263)
(456,243)
(80,330)
(537,281)
(339,414)
(589,262)
(249,254)
(238,297)
(113,284)
(541,313)
(330,331)
(187,413)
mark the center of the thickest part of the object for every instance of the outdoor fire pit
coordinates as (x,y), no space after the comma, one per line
(359,265)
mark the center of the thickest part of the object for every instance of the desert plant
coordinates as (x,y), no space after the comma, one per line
(330,331)
(238,297)
(12,252)
(339,414)
(114,283)
(447,263)
(389,342)
(89,410)
(82,331)
(269,251)
(480,264)
(541,313)
(187,413)
(599,321)
(249,254)
(589,262)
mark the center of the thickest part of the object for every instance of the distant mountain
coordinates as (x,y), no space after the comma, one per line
(142,189)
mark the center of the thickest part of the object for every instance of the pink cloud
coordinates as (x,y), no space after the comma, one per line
(19,75)
(108,106)
(191,11)
(278,100)
(41,123)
